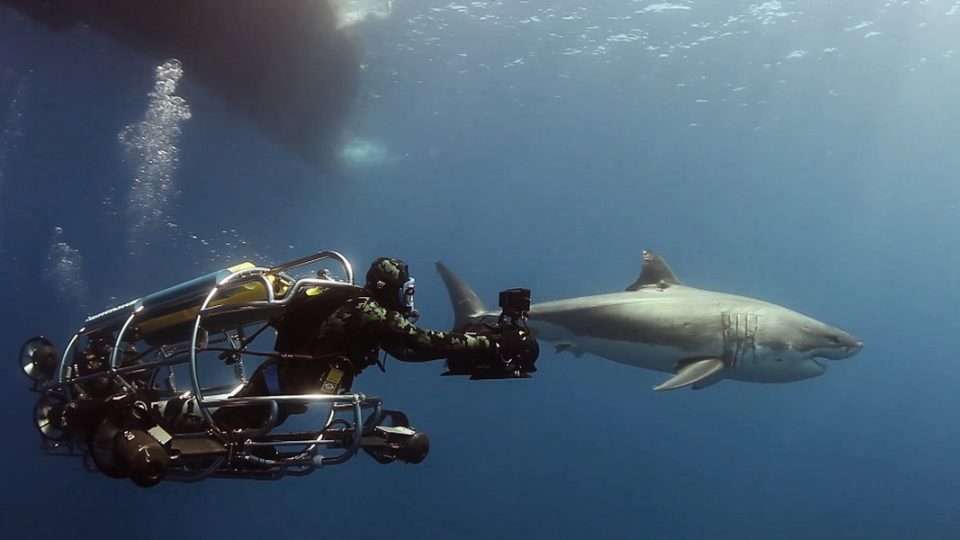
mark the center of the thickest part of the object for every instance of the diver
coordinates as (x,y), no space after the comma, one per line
(103,399)
(326,338)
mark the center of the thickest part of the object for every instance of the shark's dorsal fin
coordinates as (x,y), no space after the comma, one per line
(655,271)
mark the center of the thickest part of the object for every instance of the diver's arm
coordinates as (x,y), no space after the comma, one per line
(409,343)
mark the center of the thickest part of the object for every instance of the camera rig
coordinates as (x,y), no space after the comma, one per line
(116,396)
(517,349)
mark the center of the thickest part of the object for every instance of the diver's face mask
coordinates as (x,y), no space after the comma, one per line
(405,300)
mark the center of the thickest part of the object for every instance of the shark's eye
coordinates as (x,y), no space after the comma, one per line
(834,339)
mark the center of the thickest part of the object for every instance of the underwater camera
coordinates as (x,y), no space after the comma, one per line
(516,347)
(515,303)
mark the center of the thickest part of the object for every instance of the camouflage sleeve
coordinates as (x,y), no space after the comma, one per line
(405,341)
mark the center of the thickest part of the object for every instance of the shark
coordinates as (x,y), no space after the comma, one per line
(696,336)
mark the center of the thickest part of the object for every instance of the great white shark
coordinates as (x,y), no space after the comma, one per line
(700,337)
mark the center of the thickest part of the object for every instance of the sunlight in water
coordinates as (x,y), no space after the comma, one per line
(362,153)
(351,12)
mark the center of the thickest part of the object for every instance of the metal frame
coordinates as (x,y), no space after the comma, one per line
(136,306)
(353,400)
(304,461)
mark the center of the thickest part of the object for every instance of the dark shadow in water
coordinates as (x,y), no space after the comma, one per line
(282,64)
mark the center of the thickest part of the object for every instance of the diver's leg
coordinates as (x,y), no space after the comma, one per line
(262,383)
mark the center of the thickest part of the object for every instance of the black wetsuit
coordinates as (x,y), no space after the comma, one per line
(329,337)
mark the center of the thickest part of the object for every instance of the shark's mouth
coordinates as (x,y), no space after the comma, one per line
(820,362)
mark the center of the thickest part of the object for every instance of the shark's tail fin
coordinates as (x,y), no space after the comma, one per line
(467,306)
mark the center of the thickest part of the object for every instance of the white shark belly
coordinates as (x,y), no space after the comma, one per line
(653,357)
(642,355)
(761,366)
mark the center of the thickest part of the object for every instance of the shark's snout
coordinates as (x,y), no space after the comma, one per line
(841,346)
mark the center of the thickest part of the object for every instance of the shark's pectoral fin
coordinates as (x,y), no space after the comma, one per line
(709,381)
(692,373)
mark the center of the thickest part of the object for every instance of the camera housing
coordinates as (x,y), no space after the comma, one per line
(515,303)
(517,349)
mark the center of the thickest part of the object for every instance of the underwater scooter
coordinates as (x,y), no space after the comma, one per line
(114,398)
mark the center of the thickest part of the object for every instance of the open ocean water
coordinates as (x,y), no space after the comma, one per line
(800,152)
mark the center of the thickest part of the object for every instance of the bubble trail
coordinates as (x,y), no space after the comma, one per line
(64,271)
(151,147)
(11,130)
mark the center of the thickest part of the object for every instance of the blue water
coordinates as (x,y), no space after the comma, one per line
(799,152)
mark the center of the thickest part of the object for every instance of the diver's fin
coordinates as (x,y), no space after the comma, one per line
(466,304)
(655,271)
(692,373)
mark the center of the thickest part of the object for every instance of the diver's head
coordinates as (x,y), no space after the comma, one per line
(390,283)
